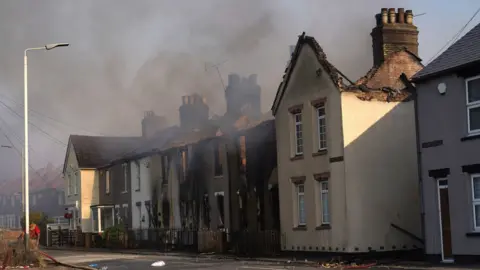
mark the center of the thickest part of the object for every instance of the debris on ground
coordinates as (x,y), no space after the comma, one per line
(13,254)
(347,264)
(159,263)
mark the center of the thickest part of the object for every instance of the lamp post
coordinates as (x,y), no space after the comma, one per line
(25,149)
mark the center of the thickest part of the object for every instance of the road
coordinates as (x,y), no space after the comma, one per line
(116,261)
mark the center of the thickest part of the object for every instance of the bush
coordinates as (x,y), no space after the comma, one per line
(114,232)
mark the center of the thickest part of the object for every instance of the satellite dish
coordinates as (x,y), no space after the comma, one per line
(442,88)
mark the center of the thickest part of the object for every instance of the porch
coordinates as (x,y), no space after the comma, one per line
(104,216)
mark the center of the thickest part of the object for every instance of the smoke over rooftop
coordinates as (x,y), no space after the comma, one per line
(127,57)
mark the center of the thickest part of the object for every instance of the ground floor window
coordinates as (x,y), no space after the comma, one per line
(300,197)
(476,200)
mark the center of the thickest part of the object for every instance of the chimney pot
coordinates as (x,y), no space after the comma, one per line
(409,16)
(401,15)
(384,16)
(378,19)
(391,15)
(253,79)
(233,79)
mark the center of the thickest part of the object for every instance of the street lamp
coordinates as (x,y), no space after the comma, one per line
(25,149)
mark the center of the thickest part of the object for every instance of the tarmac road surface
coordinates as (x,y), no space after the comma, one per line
(116,261)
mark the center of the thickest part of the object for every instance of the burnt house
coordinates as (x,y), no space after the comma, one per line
(252,163)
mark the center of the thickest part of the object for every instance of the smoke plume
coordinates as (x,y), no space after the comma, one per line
(130,56)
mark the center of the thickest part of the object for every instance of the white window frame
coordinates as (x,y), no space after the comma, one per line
(471,105)
(69,182)
(125,213)
(76,182)
(475,201)
(125,178)
(298,124)
(300,194)
(139,166)
(324,192)
(322,144)
(107,182)
(139,208)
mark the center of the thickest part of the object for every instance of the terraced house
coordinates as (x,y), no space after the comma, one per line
(84,156)
(347,162)
(448,106)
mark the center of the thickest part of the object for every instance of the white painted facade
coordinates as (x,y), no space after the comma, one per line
(141,192)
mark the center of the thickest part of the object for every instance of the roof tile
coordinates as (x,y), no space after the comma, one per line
(464,51)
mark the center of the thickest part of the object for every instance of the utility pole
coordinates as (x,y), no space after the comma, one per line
(23,184)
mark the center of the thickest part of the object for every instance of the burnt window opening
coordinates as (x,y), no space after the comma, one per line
(243,210)
(184,160)
(243,154)
(182,164)
(217,161)
(221,210)
(206,211)
(166,213)
(165,169)
(183,214)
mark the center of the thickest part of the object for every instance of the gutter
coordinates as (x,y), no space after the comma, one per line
(413,91)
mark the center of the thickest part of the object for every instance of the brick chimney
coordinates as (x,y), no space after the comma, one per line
(394,30)
(193,112)
(243,96)
(152,123)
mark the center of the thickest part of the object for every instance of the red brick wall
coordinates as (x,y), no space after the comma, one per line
(388,74)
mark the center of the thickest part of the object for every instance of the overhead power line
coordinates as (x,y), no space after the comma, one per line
(455,37)
(18,137)
(37,127)
(51,118)
(20,152)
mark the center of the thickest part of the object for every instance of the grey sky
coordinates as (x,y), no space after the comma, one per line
(130,56)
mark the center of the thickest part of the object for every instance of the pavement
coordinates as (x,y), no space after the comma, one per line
(138,259)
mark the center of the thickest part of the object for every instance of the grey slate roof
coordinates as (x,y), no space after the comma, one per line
(465,51)
(96,151)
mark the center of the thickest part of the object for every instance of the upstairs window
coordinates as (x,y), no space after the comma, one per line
(76,183)
(322,128)
(165,168)
(473,104)
(125,178)
(107,182)
(243,154)
(138,180)
(298,133)
(217,161)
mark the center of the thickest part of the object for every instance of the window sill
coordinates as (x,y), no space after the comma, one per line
(297,157)
(320,153)
(472,234)
(323,227)
(300,228)
(470,137)
(124,192)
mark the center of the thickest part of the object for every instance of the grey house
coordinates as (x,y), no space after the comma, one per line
(448,118)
